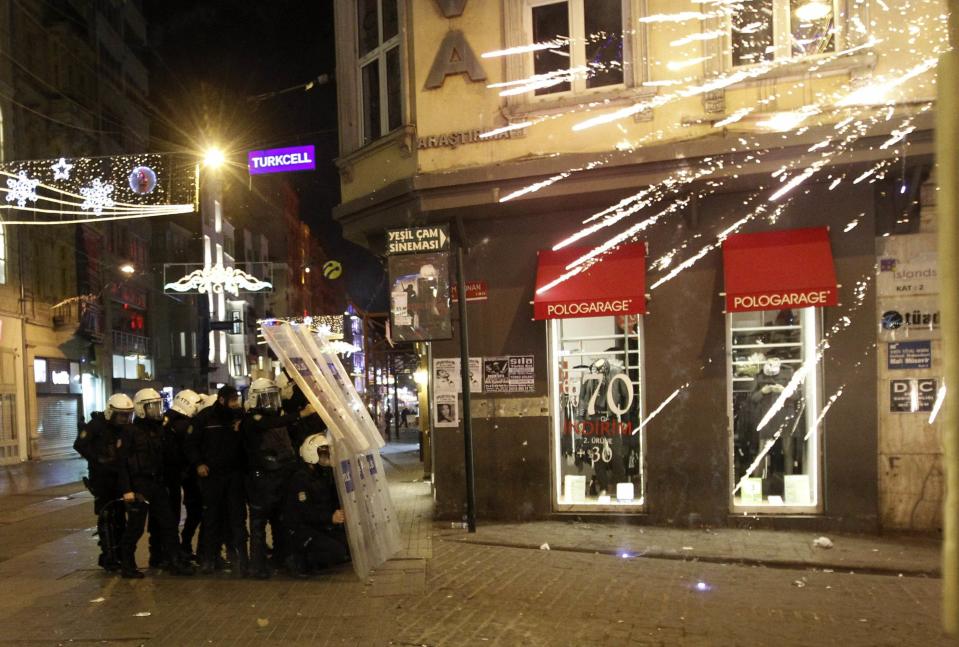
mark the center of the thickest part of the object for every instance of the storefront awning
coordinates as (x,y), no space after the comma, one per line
(614,285)
(773,270)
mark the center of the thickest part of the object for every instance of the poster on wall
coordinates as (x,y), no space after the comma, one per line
(420,297)
(445,410)
(496,374)
(447,379)
(521,374)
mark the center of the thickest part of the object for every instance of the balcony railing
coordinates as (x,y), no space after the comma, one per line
(125,343)
(82,315)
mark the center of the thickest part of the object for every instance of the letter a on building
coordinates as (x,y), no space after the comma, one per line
(455,56)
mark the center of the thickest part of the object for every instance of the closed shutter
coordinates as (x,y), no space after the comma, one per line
(57,426)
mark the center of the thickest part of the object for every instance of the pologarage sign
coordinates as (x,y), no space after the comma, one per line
(282,160)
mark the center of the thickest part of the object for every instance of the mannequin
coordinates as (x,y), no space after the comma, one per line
(768,384)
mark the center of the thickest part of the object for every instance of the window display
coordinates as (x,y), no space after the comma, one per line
(596,386)
(775,440)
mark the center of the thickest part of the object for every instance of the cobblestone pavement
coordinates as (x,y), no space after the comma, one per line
(441,590)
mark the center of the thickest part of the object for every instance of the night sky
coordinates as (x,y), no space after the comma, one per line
(208,57)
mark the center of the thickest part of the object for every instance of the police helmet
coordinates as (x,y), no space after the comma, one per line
(263,394)
(206,400)
(147,403)
(186,402)
(285,384)
(316,449)
(119,409)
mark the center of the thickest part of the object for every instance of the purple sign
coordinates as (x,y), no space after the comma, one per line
(281,160)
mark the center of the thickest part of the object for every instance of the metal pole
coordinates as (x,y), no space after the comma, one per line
(947,220)
(396,406)
(465,378)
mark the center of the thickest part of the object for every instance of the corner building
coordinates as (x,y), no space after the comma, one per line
(727,360)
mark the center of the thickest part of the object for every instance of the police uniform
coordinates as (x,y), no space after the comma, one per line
(142,472)
(182,477)
(213,439)
(270,460)
(315,541)
(98,443)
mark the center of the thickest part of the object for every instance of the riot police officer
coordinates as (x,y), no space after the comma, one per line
(99,443)
(294,402)
(182,478)
(214,448)
(312,512)
(142,473)
(270,461)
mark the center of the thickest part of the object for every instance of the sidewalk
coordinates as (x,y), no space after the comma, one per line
(27,477)
(908,556)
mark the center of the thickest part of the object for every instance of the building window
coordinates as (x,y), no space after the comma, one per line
(380,72)
(236,365)
(183,344)
(237,319)
(597,392)
(767,30)
(589,44)
(775,435)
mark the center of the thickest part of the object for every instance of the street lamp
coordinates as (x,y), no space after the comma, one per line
(213,158)
(128,269)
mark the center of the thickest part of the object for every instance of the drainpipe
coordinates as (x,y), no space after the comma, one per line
(947,157)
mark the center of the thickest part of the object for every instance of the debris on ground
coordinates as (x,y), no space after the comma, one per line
(822,542)
(544,546)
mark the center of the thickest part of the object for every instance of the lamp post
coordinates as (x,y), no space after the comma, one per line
(213,159)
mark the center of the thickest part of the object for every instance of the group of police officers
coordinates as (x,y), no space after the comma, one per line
(211,457)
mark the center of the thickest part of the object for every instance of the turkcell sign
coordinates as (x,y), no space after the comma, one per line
(282,160)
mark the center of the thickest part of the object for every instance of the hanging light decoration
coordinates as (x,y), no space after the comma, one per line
(813,10)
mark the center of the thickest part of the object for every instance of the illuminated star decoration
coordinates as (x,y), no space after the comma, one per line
(22,189)
(61,170)
(97,196)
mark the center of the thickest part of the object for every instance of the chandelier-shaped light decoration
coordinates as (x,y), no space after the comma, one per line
(218,279)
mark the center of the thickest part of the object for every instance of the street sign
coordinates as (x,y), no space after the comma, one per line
(910,355)
(417,240)
(222,325)
(475,291)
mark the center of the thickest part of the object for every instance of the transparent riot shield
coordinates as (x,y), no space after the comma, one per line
(371,524)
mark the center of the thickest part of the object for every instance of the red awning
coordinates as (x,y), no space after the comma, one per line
(773,270)
(614,285)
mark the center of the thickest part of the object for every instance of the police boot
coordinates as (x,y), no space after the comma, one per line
(296,566)
(180,567)
(241,563)
(258,568)
(128,567)
(207,566)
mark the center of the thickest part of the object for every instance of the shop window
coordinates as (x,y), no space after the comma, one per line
(767,30)
(597,393)
(380,69)
(589,44)
(775,435)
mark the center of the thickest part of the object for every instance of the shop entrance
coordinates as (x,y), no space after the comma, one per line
(57,420)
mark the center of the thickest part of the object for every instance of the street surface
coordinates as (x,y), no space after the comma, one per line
(445,588)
